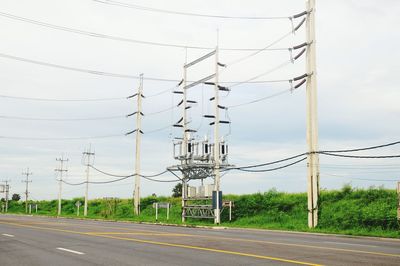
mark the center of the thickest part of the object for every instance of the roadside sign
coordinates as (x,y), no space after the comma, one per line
(78,203)
(162,205)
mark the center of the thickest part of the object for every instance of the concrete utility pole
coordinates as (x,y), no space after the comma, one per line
(398,199)
(86,155)
(7,193)
(139,113)
(60,170)
(217,210)
(312,119)
(185,137)
(27,181)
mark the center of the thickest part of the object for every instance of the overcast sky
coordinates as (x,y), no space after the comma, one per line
(357,74)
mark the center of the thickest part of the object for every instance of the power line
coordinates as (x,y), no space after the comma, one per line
(271,169)
(360,156)
(173,12)
(115,75)
(260,99)
(364,179)
(364,149)
(61,100)
(60,119)
(67,138)
(123,39)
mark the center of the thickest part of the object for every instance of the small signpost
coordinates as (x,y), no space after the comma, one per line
(77,204)
(162,205)
(398,200)
(229,204)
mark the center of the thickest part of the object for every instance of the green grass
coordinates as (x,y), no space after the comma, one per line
(368,212)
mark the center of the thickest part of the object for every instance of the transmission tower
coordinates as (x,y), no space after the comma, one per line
(60,170)
(27,181)
(200,159)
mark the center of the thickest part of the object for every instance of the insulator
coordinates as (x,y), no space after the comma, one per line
(177,125)
(222,88)
(300,14)
(212,123)
(180,83)
(221,65)
(178,92)
(130,132)
(191,101)
(212,98)
(132,96)
(131,114)
(301,83)
(179,104)
(141,131)
(209,116)
(141,113)
(191,130)
(299,54)
(300,46)
(300,77)
(300,24)
(209,83)
(224,122)
(222,107)
(180,120)
(188,107)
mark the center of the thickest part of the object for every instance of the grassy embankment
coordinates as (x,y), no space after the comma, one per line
(370,212)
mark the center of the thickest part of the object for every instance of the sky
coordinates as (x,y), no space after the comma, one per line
(357,82)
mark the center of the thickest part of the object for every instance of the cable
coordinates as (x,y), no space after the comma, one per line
(364,149)
(272,169)
(60,119)
(365,179)
(269,163)
(360,156)
(260,99)
(161,92)
(115,75)
(116,38)
(71,138)
(149,177)
(161,111)
(262,74)
(62,100)
(157,130)
(94,72)
(151,9)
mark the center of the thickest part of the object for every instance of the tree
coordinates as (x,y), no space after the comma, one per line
(177,191)
(3,200)
(16,197)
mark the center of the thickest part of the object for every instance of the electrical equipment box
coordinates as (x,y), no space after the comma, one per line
(191,192)
(214,199)
(2,188)
(208,190)
(200,191)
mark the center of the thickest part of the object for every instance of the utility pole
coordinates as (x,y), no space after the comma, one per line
(60,170)
(87,155)
(139,113)
(185,137)
(7,192)
(312,119)
(217,175)
(27,181)
(398,200)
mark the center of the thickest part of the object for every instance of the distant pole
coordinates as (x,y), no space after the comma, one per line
(60,170)
(7,193)
(139,114)
(87,154)
(312,119)
(398,199)
(27,181)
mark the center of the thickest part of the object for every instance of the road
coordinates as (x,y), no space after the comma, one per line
(26,240)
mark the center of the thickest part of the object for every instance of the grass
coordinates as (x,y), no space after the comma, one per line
(366,212)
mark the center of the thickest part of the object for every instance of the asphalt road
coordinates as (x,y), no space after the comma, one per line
(35,241)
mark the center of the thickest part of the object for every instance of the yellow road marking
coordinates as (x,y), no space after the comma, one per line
(166,244)
(137,234)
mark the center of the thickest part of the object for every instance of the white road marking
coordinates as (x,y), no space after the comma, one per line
(8,235)
(350,244)
(72,251)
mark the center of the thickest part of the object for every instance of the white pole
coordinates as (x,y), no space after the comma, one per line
(89,153)
(156,211)
(230,210)
(138,139)
(185,139)
(61,170)
(312,126)
(167,211)
(217,212)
